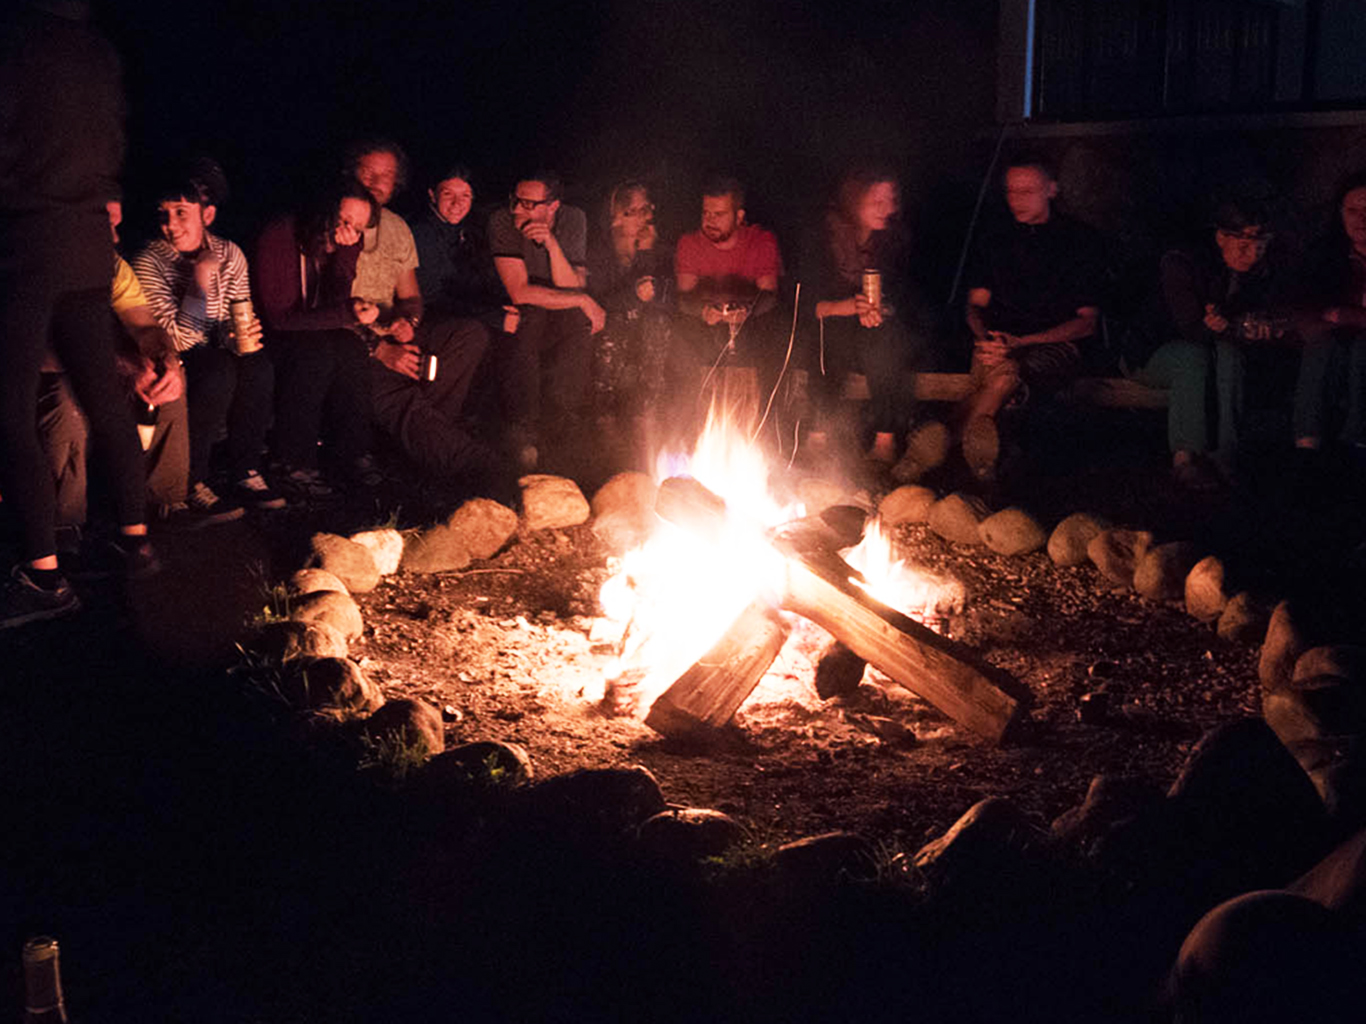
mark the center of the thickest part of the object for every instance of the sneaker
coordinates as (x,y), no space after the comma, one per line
(23,601)
(133,558)
(981,447)
(254,491)
(308,484)
(366,472)
(201,508)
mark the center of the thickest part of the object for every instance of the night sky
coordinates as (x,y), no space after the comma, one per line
(784,94)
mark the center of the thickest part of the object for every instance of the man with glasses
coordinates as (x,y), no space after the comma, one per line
(540,252)
(1215,305)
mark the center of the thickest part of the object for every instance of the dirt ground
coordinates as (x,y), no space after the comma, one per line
(507,648)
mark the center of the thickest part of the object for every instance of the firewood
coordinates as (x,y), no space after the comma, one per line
(820,586)
(707,694)
(839,671)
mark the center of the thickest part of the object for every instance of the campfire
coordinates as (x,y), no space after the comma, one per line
(703,609)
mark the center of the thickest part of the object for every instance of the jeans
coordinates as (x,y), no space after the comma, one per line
(547,368)
(232,391)
(1327,359)
(884,355)
(320,376)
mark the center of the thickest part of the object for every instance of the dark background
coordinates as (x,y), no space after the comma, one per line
(783,94)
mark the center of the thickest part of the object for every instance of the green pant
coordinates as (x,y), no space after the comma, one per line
(1184,368)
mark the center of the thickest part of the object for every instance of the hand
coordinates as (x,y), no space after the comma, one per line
(512,316)
(989,351)
(158,387)
(364,312)
(645,289)
(205,268)
(597,316)
(248,339)
(345,234)
(399,356)
(1213,320)
(647,238)
(735,314)
(711,314)
(401,330)
(537,232)
(868,314)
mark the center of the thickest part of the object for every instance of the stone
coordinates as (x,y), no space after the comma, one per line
(1012,531)
(908,504)
(1111,802)
(417,722)
(1266,958)
(817,495)
(838,671)
(483,526)
(1321,719)
(1338,881)
(1341,661)
(312,581)
(958,518)
(486,763)
(1244,619)
(435,549)
(1160,572)
(1116,553)
(1068,542)
(828,857)
(310,683)
(286,640)
(990,830)
(338,610)
(595,803)
(348,561)
(1284,642)
(551,502)
(629,491)
(689,834)
(385,547)
(622,530)
(1247,807)
(1207,589)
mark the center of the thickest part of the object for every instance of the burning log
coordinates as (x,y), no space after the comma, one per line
(820,586)
(706,696)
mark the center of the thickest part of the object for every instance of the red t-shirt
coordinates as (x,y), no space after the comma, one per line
(754,255)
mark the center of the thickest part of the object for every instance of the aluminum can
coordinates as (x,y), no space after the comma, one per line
(872,287)
(242,317)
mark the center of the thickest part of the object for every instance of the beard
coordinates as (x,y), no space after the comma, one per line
(717,235)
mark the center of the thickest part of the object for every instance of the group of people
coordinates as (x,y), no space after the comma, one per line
(467,341)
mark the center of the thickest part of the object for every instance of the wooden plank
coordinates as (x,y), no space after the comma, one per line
(1106,392)
(819,585)
(707,695)
(942,671)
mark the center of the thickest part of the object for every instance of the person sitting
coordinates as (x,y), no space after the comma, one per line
(858,235)
(1333,363)
(191,278)
(1215,302)
(727,277)
(1033,301)
(305,266)
(423,416)
(628,275)
(540,253)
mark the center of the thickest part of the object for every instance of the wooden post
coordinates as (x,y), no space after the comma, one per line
(706,696)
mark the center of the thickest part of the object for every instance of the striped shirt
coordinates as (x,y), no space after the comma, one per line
(167,276)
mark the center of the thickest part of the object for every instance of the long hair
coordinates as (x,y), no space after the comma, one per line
(317,222)
(842,222)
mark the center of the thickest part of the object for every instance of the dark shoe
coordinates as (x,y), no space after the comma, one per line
(1197,476)
(253,490)
(22,601)
(306,484)
(201,508)
(132,558)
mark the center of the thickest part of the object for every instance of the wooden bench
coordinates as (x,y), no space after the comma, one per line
(1107,392)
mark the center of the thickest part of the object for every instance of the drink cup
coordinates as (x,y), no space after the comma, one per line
(243,317)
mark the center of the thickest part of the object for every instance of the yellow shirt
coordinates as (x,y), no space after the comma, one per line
(125,292)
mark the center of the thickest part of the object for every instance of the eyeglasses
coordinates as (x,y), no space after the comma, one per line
(522,203)
(639,211)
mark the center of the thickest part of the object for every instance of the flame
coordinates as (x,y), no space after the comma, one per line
(676,595)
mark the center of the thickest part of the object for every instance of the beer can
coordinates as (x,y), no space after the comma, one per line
(243,316)
(872,287)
